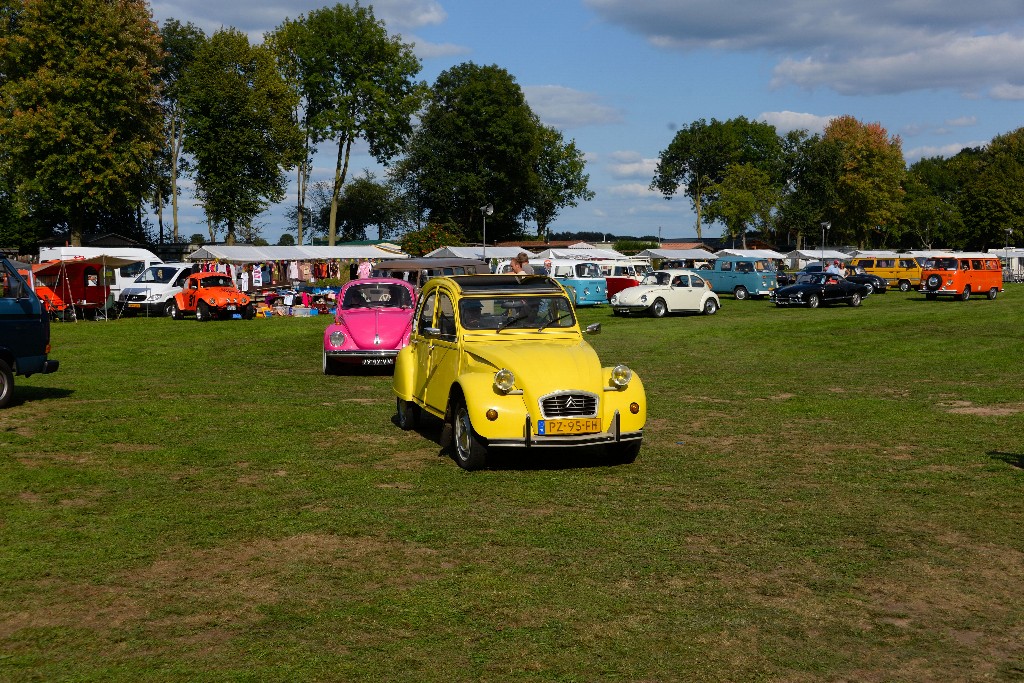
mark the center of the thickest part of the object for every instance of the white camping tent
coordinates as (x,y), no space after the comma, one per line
(477,252)
(752,253)
(681,254)
(581,252)
(798,258)
(251,254)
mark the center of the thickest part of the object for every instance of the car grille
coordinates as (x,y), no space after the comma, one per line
(569,404)
(134,297)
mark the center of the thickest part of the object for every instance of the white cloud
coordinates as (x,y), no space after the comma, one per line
(625,165)
(632,190)
(786,121)
(950,150)
(563,107)
(962,121)
(851,46)
(1008,91)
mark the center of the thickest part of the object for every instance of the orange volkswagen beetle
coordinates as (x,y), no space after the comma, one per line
(211,295)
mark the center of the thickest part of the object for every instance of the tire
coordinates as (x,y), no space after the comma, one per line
(813,301)
(710,307)
(623,453)
(173,311)
(330,367)
(904,285)
(966,294)
(870,289)
(740,293)
(160,310)
(855,300)
(248,312)
(203,312)
(6,384)
(993,293)
(408,414)
(933,282)
(658,309)
(470,452)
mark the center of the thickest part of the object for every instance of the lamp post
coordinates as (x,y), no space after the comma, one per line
(486,210)
(825,225)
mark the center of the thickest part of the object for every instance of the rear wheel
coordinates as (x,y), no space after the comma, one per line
(6,384)
(408,414)
(203,312)
(710,307)
(470,451)
(659,309)
(904,285)
(173,310)
(740,293)
(855,300)
(813,301)
(870,289)
(993,293)
(966,294)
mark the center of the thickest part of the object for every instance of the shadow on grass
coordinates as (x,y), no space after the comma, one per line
(1015,459)
(24,394)
(520,459)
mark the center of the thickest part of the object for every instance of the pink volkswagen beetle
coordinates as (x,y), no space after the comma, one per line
(371,323)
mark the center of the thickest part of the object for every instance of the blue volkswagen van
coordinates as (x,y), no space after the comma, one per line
(742,276)
(24,331)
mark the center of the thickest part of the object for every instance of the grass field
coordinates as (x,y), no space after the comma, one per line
(826,495)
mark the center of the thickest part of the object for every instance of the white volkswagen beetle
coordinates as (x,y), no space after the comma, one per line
(667,291)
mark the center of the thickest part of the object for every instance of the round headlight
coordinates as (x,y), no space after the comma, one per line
(337,338)
(621,375)
(504,380)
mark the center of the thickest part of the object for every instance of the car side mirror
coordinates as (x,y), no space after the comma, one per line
(433,331)
(594,328)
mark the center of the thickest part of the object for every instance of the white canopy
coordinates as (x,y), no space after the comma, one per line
(817,255)
(477,252)
(577,252)
(681,254)
(251,254)
(754,253)
(1010,252)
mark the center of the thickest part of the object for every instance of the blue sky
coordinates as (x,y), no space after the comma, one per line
(620,76)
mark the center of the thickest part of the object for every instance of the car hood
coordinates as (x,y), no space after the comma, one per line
(796,289)
(543,365)
(365,325)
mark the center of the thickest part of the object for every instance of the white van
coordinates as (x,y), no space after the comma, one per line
(153,289)
(123,276)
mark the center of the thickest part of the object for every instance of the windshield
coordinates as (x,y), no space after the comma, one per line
(516,312)
(810,279)
(157,274)
(377,295)
(658,277)
(944,263)
(587,270)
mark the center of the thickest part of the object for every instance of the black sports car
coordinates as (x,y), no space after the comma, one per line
(814,289)
(874,283)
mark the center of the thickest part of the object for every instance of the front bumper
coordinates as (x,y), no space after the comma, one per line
(531,439)
(788,300)
(372,357)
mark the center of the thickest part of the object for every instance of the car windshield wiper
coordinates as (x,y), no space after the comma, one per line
(510,321)
(552,322)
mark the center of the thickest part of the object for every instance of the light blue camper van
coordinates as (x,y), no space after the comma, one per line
(742,276)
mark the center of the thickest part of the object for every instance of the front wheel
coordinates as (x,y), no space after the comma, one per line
(659,309)
(710,307)
(470,452)
(203,312)
(740,293)
(248,312)
(966,294)
(855,300)
(993,293)
(813,301)
(330,368)
(904,285)
(6,384)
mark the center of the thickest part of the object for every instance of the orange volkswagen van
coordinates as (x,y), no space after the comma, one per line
(960,275)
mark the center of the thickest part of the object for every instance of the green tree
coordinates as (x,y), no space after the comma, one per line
(356,82)
(994,195)
(745,197)
(79,117)
(561,181)
(478,143)
(238,126)
(699,155)
(932,217)
(869,190)
(181,42)
(810,190)
(366,204)
(434,236)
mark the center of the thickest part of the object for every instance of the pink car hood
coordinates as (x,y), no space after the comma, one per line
(389,325)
